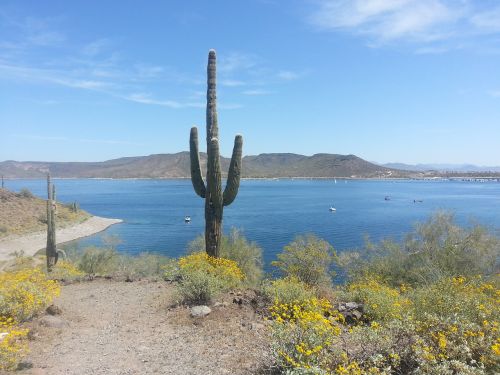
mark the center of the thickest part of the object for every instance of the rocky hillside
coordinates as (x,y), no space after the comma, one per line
(24,213)
(178,166)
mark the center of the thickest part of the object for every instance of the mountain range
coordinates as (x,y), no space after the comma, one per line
(178,166)
(276,165)
(442,167)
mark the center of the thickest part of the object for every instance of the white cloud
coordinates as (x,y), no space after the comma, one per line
(231,83)
(437,26)
(144,98)
(287,75)
(384,20)
(495,93)
(256,92)
(488,21)
(236,61)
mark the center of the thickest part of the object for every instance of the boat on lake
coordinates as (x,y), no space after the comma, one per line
(187,219)
(332,209)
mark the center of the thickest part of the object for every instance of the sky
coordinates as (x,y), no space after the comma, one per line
(413,81)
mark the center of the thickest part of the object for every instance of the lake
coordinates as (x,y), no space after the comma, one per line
(272,212)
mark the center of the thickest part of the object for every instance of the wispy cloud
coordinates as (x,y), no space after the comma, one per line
(231,83)
(144,98)
(35,137)
(255,92)
(236,61)
(495,93)
(415,21)
(288,75)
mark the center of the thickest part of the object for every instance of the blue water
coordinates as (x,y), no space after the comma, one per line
(272,212)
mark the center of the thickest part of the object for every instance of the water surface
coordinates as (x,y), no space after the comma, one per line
(272,212)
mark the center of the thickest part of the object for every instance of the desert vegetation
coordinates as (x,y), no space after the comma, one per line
(432,309)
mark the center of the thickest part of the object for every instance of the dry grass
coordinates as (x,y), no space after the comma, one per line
(22,213)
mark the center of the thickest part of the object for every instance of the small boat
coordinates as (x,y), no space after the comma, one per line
(335,180)
(332,209)
(387,198)
(187,219)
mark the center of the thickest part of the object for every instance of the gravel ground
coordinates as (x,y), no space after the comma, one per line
(110,327)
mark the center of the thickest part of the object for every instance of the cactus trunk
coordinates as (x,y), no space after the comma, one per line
(51,249)
(215,199)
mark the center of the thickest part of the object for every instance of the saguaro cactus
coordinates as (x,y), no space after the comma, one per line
(51,249)
(215,199)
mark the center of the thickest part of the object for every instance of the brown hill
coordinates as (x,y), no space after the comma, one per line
(177,166)
(24,213)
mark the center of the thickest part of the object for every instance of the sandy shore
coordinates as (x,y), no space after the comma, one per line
(31,243)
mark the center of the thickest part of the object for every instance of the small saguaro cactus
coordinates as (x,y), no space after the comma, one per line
(51,249)
(215,199)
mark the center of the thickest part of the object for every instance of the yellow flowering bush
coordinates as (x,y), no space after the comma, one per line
(303,332)
(203,276)
(12,343)
(65,270)
(287,290)
(449,327)
(381,302)
(25,293)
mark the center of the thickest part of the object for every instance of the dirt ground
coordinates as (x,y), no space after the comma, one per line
(111,327)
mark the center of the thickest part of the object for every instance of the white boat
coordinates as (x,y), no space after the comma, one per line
(333,209)
(187,219)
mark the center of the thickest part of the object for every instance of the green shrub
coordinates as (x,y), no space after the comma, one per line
(309,259)
(202,277)
(25,193)
(145,265)
(198,287)
(287,290)
(436,249)
(248,255)
(97,261)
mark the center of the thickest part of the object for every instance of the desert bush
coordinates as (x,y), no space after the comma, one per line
(381,302)
(13,345)
(97,261)
(287,290)
(248,255)
(203,277)
(144,265)
(436,249)
(25,193)
(64,270)
(309,259)
(25,293)
(302,334)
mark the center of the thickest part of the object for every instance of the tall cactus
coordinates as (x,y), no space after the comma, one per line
(51,249)
(215,199)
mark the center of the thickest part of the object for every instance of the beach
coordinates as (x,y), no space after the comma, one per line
(30,243)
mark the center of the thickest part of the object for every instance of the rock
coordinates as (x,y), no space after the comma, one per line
(54,310)
(53,322)
(352,311)
(200,311)
(23,365)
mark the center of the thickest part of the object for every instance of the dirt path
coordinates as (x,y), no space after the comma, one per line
(127,328)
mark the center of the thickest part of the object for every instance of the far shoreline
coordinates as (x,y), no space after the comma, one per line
(31,243)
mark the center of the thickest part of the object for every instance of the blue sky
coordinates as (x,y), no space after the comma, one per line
(414,81)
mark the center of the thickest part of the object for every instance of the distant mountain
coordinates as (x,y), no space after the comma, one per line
(442,167)
(178,166)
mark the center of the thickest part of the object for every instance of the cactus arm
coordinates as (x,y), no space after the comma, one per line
(196,176)
(233,178)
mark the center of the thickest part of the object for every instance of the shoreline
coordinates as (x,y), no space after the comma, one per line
(31,243)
